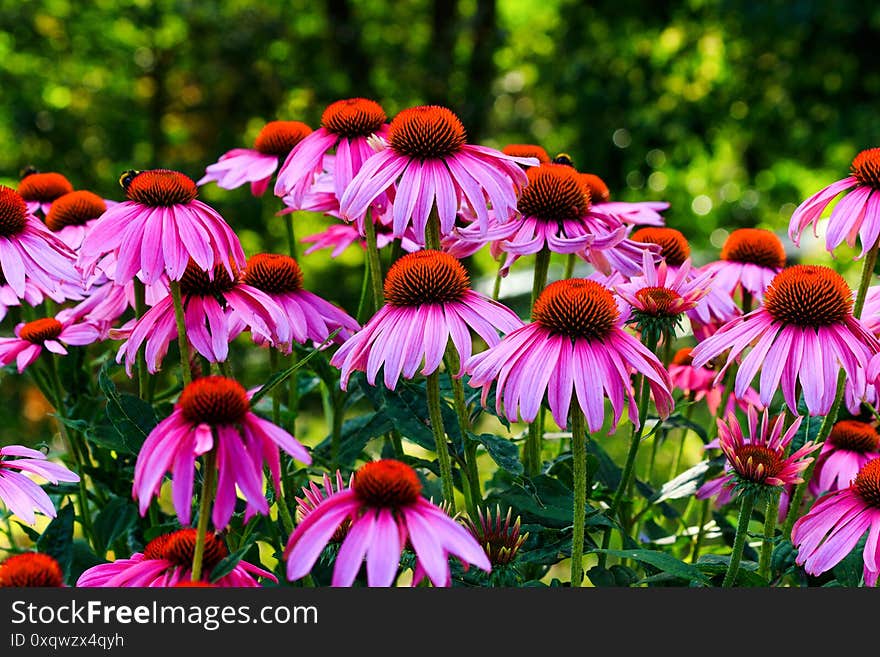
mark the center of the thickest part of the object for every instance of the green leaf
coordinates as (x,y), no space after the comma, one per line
(545,501)
(662,561)
(57,539)
(280,377)
(114,521)
(355,435)
(228,564)
(501,450)
(807,432)
(851,568)
(684,485)
(679,421)
(717,564)
(131,417)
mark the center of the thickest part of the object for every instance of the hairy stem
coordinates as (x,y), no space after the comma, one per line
(179,317)
(579,455)
(208,482)
(436,417)
(739,542)
(373,262)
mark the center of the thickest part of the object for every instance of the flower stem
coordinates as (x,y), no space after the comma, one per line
(705,515)
(579,454)
(742,530)
(291,239)
(373,262)
(204,513)
(432,230)
(185,371)
(770,515)
(140,307)
(436,417)
(475,497)
(363,309)
(496,288)
(276,394)
(532,449)
(570,262)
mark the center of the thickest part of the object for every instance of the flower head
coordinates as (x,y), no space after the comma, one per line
(750,258)
(49,333)
(256,165)
(159,229)
(836,523)
(39,190)
(346,127)
(19,493)
(73,215)
(30,570)
(758,462)
(856,215)
(428,301)
(645,213)
(430,163)
(500,539)
(167,561)
(385,507)
(527,150)
(805,331)
(575,344)
(213,415)
(309,316)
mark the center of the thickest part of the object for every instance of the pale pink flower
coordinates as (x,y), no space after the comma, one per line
(21,495)
(50,333)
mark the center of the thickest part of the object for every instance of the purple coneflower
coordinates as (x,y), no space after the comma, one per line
(341,236)
(47,333)
(849,446)
(833,527)
(256,165)
(159,229)
(804,331)
(308,316)
(428,301)
(750,258)
(31,570)
(346,128)
(431,164)
(213,416)
(856,215)
(217,308)
(167,561)
(73,215)
(30,252)
(40,189)
(20,494)
(576,343)
(385,507)
(643,213)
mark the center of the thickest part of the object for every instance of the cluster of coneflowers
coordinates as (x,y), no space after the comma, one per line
(163,271)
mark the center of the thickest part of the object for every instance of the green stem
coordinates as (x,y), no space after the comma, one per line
(364,307)
(274,367)
(78,449)
(496,288)
(579,454)
(291,238)
(374,263)
(204,513)
(140,306)
(569,266)
(688,413)
(432,230)
(532,448)
(185,371)
(739,542)
(475,496)
(284,510)
(705,515)
(770,515)
(865,281)
(436,417)
(225,369)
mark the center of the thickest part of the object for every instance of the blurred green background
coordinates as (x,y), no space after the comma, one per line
(734,111)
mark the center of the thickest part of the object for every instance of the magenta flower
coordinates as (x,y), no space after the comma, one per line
(849,446)
(30,252)
(837,521)
(805,331)
(856,215)
(346,127)
(8,298)
(31,570)
(750,259)
(716,306)
(159,229)
(167,561)
(19,493)
(216,310)
(575,344)
(759,459)
(306,315)
(385,508)
(103,306)
(73,215)
(213,415)
(428,301)
(699,383)
(432,164)
(256,165)
(40,189)
(48,333)
(341,236)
